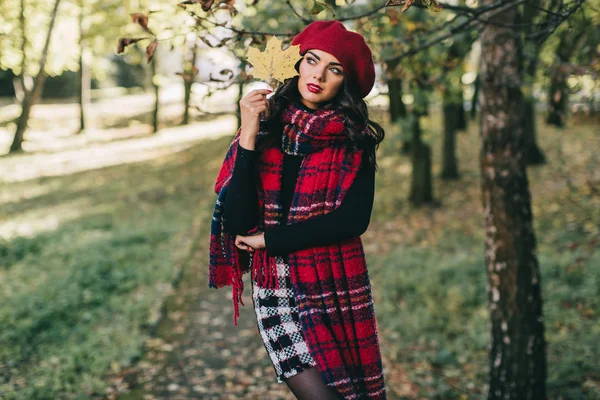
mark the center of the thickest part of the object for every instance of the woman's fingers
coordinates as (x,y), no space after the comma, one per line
(261,92)
(239,242)
(256,95)
(256,102)
(257,106)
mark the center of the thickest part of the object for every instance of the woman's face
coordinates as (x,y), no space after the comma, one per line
(321,77)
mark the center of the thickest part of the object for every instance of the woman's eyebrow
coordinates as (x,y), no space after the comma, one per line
(319,58)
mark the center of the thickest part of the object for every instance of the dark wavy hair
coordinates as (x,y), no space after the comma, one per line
(347,100)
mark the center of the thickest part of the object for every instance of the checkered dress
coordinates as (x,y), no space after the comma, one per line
(279,325)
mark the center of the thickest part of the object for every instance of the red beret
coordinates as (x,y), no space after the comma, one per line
(348,47)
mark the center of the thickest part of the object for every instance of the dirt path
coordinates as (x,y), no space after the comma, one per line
(197,353)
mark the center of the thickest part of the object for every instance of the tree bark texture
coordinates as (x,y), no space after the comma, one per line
(31,97)
(517,351)
(421,188)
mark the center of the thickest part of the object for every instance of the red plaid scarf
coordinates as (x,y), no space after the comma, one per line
(331,283)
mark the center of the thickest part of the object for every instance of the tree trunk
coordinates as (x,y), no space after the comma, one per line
(452,112)
(238,112)
(187,87)
(83,92)
(83,75)
(475,98)
(533,154)
(517,352)
(188,81)
(21,83)
(557,99)
(397,107)
(558,95)
(32,97)
(156,95)
(421,191)
(463,122)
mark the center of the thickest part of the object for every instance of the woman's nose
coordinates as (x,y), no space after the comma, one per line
(319,74)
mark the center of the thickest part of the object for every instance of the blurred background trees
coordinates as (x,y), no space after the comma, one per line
(469,96)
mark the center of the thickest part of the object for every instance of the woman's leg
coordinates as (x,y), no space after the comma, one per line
(308,385)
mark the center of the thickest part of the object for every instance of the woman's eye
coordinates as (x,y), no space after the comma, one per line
(311,60)
(336,71)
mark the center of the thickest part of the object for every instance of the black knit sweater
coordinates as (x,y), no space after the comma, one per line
(240,211)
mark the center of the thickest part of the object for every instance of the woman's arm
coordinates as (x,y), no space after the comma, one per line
(349,220)
(240,211)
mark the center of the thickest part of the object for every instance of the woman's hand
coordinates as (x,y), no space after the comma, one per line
(251,243)
(251,106)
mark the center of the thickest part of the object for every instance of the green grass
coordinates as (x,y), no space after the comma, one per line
(80,293)
(433,306)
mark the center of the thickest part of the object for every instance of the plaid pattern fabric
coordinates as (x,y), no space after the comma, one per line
(279,326)
(331,283)
(227,263)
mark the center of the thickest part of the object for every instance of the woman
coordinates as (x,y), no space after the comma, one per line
(295,194)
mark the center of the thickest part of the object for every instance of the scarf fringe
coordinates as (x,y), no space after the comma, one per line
(264,270)
(237,287)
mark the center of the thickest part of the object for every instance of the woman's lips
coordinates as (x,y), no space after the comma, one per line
(314,88)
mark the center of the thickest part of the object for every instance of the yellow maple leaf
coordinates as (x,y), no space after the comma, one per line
(274,64)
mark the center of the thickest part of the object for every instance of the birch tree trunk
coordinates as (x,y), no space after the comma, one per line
(517,351)
(31,97)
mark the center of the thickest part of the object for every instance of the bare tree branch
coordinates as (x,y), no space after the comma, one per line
(475,17)
(485,16)
(304,19)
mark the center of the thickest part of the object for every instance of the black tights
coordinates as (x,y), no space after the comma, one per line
(308,385)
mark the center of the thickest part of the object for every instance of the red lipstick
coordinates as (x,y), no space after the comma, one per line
(314,88)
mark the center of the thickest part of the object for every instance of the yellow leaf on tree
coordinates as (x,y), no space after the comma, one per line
(274,63)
